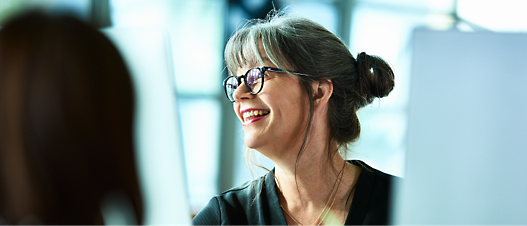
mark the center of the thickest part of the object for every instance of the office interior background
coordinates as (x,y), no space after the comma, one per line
(212,141)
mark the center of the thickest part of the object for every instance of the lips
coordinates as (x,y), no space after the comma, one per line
(253,115)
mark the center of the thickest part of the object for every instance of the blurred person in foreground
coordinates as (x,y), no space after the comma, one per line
(66,119)
(296,89)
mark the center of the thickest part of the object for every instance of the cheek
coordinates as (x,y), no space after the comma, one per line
(287,97)
(236,108)
(295,105)
(296,97)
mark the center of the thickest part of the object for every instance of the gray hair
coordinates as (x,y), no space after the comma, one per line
(299,44)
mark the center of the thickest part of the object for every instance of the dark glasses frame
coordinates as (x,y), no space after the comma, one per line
(262,69)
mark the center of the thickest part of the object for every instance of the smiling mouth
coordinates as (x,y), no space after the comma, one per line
(253,115)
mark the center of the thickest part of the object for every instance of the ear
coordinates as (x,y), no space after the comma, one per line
(322,91)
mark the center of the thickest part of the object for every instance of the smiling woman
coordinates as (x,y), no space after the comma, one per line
(298,102)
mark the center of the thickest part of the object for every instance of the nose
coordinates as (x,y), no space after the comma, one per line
(242,92)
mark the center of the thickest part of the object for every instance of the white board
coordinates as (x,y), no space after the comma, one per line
(466,160)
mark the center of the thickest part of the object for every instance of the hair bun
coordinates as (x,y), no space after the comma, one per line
(376,78)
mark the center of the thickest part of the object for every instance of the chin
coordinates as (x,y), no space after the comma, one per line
(250,144)
(251,141)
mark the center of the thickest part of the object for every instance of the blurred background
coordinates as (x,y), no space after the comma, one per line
(211,136)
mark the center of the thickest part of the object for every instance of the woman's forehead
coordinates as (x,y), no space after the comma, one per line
(251,60)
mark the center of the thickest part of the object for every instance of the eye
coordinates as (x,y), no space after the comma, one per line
(231,83)
(232,86)
(253,76)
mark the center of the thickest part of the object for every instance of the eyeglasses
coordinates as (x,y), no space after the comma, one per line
(254,80)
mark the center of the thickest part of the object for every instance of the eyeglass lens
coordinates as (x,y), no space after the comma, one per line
(252,79)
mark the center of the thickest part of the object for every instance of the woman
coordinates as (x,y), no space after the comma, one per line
(296,89)
(66,121)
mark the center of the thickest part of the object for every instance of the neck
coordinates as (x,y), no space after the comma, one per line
(318,188)
(308,177)
(310,185)
(315,174)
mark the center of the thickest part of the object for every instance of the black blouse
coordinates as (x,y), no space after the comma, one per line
(241,206)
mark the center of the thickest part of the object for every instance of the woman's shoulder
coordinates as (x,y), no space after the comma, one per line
(233,202)
(373,197)
(388,178)
(243,192)
(378,180)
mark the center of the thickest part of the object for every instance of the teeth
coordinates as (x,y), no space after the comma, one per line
(254,113)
